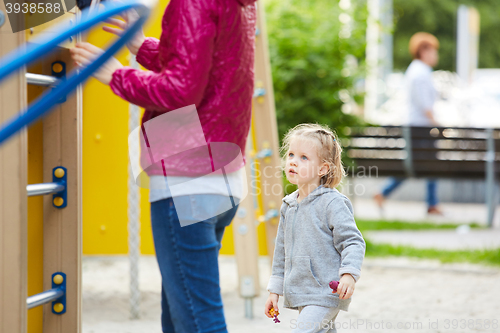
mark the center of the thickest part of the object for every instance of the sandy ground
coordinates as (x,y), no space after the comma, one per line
(417,295)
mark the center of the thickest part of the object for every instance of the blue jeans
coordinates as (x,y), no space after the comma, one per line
(394,183)
(191,301)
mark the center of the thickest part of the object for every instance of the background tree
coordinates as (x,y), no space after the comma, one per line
(308,58)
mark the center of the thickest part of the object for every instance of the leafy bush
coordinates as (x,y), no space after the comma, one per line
(311,64)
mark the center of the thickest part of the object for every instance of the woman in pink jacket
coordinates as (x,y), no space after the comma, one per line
(204,59)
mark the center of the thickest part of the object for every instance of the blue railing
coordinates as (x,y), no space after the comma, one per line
(37,48)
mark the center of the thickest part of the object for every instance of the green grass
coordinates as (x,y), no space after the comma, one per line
(401,225)
(489,257)
(485,257)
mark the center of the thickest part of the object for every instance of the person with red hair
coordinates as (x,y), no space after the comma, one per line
(421,96)
(421,93)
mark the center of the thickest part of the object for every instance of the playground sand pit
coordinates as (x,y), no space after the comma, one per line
(392,295)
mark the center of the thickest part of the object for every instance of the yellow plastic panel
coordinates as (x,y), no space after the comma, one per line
(105,159)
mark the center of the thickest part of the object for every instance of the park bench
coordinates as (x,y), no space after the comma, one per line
(427,152)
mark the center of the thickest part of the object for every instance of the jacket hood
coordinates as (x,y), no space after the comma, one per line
(246,2)
(291,199)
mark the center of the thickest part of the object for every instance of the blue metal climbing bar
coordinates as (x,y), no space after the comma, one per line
(44,45)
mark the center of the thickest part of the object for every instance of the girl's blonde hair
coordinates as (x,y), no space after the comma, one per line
(328,149)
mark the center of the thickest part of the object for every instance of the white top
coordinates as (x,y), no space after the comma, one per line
(233,184)
(421,93)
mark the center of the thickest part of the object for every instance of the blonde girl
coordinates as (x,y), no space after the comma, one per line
(317,239)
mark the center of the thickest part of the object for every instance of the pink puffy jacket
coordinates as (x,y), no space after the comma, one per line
(205,57)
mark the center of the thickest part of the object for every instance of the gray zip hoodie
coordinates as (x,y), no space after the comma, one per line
(317,242)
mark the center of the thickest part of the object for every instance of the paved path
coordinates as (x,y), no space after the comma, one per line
(449,239)
(413,211)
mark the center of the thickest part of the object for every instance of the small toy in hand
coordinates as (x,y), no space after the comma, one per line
(334,284)
(275,314)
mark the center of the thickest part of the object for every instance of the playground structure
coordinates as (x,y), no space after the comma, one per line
(43,235)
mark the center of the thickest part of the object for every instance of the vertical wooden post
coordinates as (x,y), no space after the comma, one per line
(263,173)
(245,242)
(13,196)
(62,243)
(266,133)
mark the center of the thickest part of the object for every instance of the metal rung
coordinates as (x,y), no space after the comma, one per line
(41,80)
(44,188)
(266,152)
(259,92)
(44,297)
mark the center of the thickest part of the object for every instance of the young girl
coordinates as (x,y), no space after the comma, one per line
(318,240)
